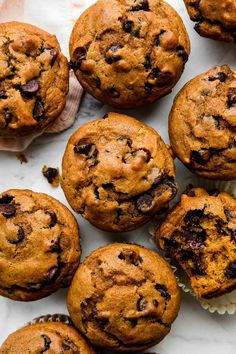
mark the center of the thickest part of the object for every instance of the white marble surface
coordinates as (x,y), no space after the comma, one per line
(195,330)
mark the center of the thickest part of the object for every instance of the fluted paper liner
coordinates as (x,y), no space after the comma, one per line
(224,304)
(52,318)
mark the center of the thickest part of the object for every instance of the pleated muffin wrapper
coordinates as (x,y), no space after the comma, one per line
(224,304)
(57,317)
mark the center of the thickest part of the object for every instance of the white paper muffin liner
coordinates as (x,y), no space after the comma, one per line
(57,317)
(225,304)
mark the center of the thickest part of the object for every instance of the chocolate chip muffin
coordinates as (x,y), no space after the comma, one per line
(202,124)
(47,337)
(215,19)
(39,245)
(129,53)
(34,79)
(124,298)
(117,173)
(200,234)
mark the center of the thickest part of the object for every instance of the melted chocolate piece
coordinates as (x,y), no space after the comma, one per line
(144,203)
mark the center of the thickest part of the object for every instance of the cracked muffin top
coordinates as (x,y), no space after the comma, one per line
(215,19)
(117,173)
(47,337)
(202,124)
(34,79)
(39,245)
(124,298)
(129,53)
(200,234)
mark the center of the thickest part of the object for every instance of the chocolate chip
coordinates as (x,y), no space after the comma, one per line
(38,110)
(199,267)
(53,217)
(201,156)
(231,96)
(171,183)
(30,88)
(142,5)
(96,192)
(8,116)
(188,190)
(105,116)
(112,92)
(219,76)
(80,55)
(111,57)
(155,303)
(55,246)
(159,78)
(128,26)
(50,173)
(133,322)
(52,275)
(180,51)
(170,244)
(54,54)
(227,214)
(47,342)
(130,257)
(163,291)
(127,140)
(7,210)
(147,62)
(6,199)
(193,217)
(148,87)
(145,203)
(158,38)
(20,236)
(141,304)
(3,95)
(82,148)
(195,240)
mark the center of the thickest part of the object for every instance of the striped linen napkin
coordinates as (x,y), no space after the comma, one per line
(57,17)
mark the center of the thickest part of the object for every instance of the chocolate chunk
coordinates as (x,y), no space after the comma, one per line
(20,236)
(80,55)
(53,217)
(147,62)
(180,51)
(144,203)
(6,199)
(163,291)
(158,38)
(141,5)
(159,78)
(195,240)
(230,271)
(112,92)
(193,217)
(54,54)
(82,148)
(96,192)
(219,76)
(130,257)
(50,173)
(7,210)
(55,246)
(148,87)
(8,116)
(188,190)
(170,243)
(47,342)
(133,322)
(111,57)
(52,275)
(127,139)
(199,267)
(214,192)
(105,116)
(30,88)
(155,303)
(227,214)
(170,182)
(141,304)
(201,156)
(128,26)
(38,110)
(231,96)
(3,95)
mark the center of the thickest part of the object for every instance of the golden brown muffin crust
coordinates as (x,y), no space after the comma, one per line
(117,172)
(51,338)
(200,233)
(129,52)
(124,298)
(215,19)
(202,124)
(34,79)
(39,245)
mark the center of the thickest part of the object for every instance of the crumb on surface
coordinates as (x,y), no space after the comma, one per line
(22,158)
(52,175)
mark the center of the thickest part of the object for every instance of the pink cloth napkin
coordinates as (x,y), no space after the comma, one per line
(56,17)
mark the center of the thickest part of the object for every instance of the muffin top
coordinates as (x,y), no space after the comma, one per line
(202,124)
(128,53)
(200,233)
(124,298)
(216,18)
(33,79)
(117,172)
(39,243)
(48,337)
